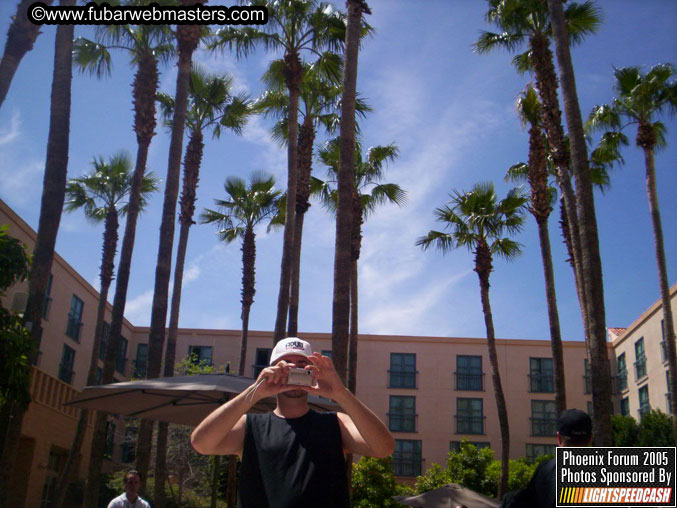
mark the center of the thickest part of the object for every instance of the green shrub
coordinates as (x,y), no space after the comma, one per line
(655,429)
(374,484)
(625,430)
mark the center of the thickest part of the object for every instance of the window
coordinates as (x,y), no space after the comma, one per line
(541,375)
(469,416)
(543,418)
(55,464)
(469,373)
(640,359)
(407,457)
(402,413)
(105,339)
(38,353)
(66,365)
(586,376)
(644,406)
(121,357)
(455,446)
(141,360)
(200,354)
(537,450)
(128,448)
(622,373)
(262,360)
(625,406)
(402,370)
(99,376)
(46,302)
(590,412)
(75,319)
(327,352)
(668,399)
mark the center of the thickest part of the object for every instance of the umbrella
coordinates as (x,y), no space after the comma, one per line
(186,400)
(449,496)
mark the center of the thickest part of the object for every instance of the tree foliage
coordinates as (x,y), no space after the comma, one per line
(374,484)
(655,429)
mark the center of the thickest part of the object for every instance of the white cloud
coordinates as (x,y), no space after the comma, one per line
(21,183)
(12,133)
(138,309)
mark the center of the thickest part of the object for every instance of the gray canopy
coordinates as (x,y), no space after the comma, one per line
(181,399)
(449,496)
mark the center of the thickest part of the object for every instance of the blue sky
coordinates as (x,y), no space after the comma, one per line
(450,111)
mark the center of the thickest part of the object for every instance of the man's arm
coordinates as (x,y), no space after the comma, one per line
(222,432)
(361,430)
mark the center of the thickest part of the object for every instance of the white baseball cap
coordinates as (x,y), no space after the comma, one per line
(290,346)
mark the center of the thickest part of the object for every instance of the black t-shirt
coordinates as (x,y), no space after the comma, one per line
(293,462)
(539,493)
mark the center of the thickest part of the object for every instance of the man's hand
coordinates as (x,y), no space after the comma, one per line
(327,381)
(273,380)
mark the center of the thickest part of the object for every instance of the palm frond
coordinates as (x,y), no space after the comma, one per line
(91,57)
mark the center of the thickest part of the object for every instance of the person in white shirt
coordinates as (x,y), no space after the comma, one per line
(131,498)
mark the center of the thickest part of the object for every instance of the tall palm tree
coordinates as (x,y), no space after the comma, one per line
(102,194)
(320,99)
(211,105)
(591,262)
(187,40)
(53,196)
(294,27)
(369,193)
(540,206)
(640,100)
(147,46)
(20,39)
(340,325)
(477,221)
(527,22)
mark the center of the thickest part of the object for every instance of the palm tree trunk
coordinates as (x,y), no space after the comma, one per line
(483,267)
(20,39)
(540,209)
(215,482)
(53,196)
(352,356)
(231,485)
(341,300)
(591,263)
(248,290)
(304,165)
(188,37)
(546,80)
(191,170)
(144,90)
(293,73)
(668,322)
(110,239)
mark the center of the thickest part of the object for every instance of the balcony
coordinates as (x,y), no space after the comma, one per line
(73,328)
(469,424)
(664,352)
(48,391)
(545,427)
(469,381)
(121,365)
(587,383)
(46,304)
(541,383)
(402,378)
(640,368)
(406,466)
(398,422)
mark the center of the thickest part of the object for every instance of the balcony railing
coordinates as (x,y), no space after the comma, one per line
(49,391)
(121,365)
(622,379)
(140,368)
(640,367)
(643,410)
(588,385)
(543,426)
(469,381)
(407,465)
(402,378)
(469,424)
(398,422)
(46,304)
(541,383)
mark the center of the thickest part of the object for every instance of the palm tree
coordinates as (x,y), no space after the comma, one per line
(527,21)
(369,193)
(294,27)
(211,105)
(320,99)
(640,100)
(591,262)
(540,206)
(476,221)
(20,39)
(101,194)
(340,325)
(148,46)
(53,196)
(187,39)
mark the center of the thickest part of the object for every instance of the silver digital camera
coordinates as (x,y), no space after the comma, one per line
(301,377)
